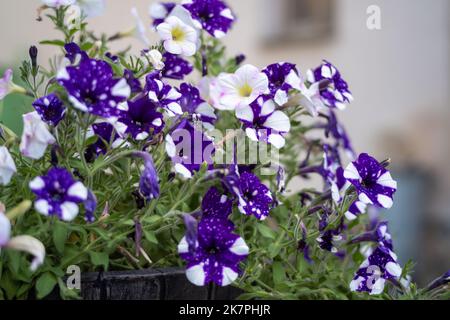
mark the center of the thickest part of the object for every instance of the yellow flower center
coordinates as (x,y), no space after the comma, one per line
(178,34)
(246,90)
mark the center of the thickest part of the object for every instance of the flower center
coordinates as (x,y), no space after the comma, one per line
(178,34)
(245,91)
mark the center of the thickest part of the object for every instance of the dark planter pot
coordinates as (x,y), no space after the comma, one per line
(151,284)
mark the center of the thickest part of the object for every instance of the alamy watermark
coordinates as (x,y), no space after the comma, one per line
(373,21)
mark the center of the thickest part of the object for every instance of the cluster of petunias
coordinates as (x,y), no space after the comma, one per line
(122,108)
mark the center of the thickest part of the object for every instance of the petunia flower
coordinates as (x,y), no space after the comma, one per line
(254,197)
(373,183)
(7,166)
(189,148)
(175,67)
(106,136)
(50,108)
(21,243)
(178,37)
(380,235)
(329,237)
(141,120)
(216,256)
(91,87)
(213,15)
(335,93)
(149,182)
(7,85)
(35,136)
(90,205)
(196,107)
(58,194)
(163,95)
(282,78)
(159,11)
(239,89)
(373,273)
(262,122)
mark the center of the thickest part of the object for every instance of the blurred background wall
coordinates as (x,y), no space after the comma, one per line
(399,75)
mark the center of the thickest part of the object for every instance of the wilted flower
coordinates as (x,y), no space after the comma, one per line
(7,85)
(262,122)
(58,194)
(372,181)
(7,166)
(35,137)
(91,87)
(155,58)
(21,243)
(239,89)
(90,205)
(213,15)
(149,182)
(50,108)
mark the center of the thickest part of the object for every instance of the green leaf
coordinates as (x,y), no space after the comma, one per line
(279,275)
(45,285)
(265,231)
(150,236)
(99,259)
(60,233)
(58,43)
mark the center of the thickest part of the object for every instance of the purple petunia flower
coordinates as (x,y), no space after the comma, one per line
(254,197)
(74,53)
(282,78)
(372,181)
(163,95)
(439,282)
(58,194)
(380,266)
(50,108)
(380,235)
(91,87)
(335,93)
(106,135)
(175,67)
(149,182)
(141,120)
(189,148)
(217,253)
(196,107)
(90,205)
(328,237)
(213,15)
(263,123)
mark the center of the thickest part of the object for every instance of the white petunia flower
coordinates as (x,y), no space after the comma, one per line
(155,58)
(7,166)
(36,136)
(240,88)
(7,85)
(178,37)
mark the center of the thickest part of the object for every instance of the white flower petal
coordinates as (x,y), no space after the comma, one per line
(351,172)
(69,211)
(245,113)
(229,276)
(278,121)
(5,229)
(78,190)
(196,275)
(183,246)
(30,245)
(276,140)
(239,247)
(385,201)
(121,89)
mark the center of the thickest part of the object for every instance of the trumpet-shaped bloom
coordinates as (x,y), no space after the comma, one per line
(50,108)
(262,122)
(213,15)
(282,78)
(216,255)
(372,181)
(7,166)
(380,266)
(333,89)
(239,89)
(35,137)
(7,85)
(58,194)
(178,37)
(91,87)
